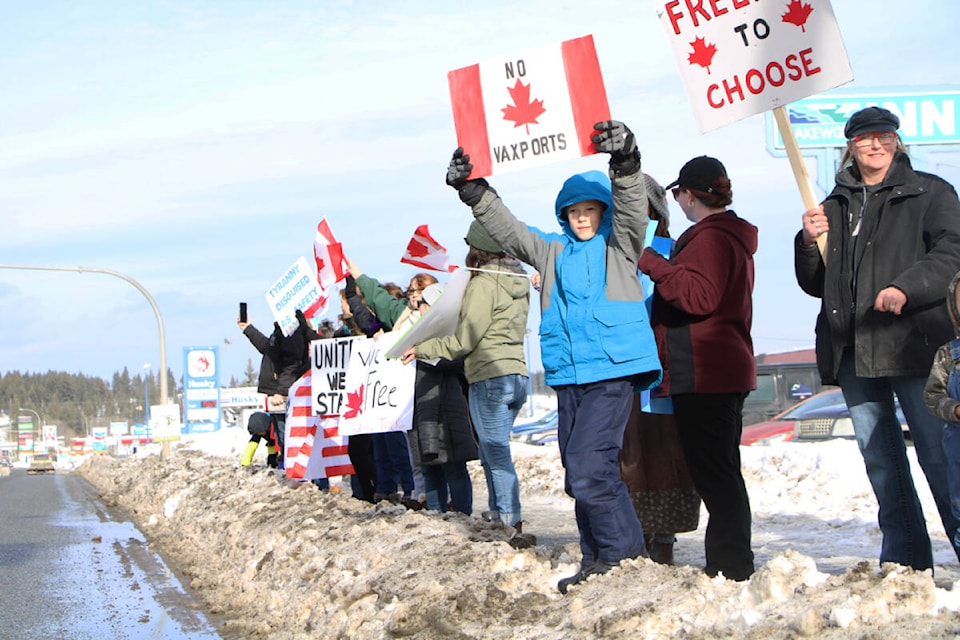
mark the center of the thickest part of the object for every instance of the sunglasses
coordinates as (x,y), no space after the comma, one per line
(676,192)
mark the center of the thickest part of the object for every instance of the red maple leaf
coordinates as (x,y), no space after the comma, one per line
(702,53)
(320,263)
(797,13)
(417,250)
(523,111)
(354,403)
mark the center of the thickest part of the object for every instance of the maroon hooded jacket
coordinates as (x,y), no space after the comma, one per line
(703,308)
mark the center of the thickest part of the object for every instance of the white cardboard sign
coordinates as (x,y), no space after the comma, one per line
(295,289)
(739,58)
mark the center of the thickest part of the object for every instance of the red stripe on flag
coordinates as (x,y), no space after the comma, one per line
(466,97)
(329,452)
(588,97)
(340,470)
(302,412)
(421,265)
(296,471)
(316,307)
(300,432)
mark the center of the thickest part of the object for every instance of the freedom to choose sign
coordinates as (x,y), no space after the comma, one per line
(739,58)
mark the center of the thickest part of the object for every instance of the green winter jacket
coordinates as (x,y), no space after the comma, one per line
(493,320)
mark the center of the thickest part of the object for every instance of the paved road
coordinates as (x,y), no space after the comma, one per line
(70,567)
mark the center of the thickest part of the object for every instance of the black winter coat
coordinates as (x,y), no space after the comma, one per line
(442,431)
(285,359)
(909,240)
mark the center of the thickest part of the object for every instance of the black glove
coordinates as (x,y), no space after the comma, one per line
(350,287)
(617,140)
(458,171)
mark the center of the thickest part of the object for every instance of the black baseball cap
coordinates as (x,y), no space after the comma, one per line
(699,174)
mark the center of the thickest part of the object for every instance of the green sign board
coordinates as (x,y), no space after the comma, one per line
(928,115)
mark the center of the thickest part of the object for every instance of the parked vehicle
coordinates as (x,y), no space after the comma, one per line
(41,463)
(782,427)
(780,387)
(822,416)
(532,432)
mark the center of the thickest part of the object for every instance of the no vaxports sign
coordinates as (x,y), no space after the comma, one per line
(739,58)
(530,108)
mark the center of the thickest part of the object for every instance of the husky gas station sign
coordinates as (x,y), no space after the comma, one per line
(928,116)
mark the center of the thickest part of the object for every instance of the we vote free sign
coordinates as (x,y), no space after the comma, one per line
(530,108)
(739,58)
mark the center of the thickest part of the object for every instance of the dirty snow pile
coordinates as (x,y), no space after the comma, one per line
(279,559)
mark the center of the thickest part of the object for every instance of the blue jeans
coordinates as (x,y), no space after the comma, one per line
(880,438)
(392,458)
(494,404)
(951,445)
(592,419)
(448,483)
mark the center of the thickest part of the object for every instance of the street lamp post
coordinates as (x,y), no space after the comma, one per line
(146,396)
(139,287)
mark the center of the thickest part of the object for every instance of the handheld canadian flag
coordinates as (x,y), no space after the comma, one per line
(331,269)
(530,108)
(426,253)
(313,446)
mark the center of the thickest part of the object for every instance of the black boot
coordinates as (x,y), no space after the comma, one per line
(597,568)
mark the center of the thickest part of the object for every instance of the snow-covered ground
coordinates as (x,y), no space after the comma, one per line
(280,559)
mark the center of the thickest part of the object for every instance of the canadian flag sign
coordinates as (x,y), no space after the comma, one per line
(313,446)
(426,253)
(530,108)
(743,58)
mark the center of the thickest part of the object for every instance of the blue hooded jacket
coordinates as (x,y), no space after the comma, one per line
(594,324)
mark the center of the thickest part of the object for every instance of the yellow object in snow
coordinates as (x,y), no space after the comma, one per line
(247,456)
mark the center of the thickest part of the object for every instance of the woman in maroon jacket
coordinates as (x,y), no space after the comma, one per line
(701,316)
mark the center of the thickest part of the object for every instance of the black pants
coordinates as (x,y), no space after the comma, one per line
(709,426)
(360,450)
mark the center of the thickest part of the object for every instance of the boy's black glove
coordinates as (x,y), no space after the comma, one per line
(458,171)
(617,140)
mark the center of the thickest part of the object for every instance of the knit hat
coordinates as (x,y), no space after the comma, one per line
(656,196)
(699,174)
(870,120)
(478,238)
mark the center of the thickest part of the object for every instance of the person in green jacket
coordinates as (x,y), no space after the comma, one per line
(489,336)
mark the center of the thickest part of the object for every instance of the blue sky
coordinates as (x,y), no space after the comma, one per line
(195,146)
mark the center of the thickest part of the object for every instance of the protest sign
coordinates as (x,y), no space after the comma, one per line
(529,108)
(328,362)
(295,289)
(744,58)
(313,445)
(741,58)
(379,392)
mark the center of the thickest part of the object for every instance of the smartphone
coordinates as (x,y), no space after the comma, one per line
(243,312)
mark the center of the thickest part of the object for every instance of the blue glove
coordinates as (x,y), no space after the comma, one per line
(617,140)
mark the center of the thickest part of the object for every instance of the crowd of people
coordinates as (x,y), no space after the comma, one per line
(882,252)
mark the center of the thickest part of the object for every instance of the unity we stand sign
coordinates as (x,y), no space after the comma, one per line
(530,108)
(739,58)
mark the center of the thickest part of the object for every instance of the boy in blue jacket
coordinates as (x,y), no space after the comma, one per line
(595,337)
